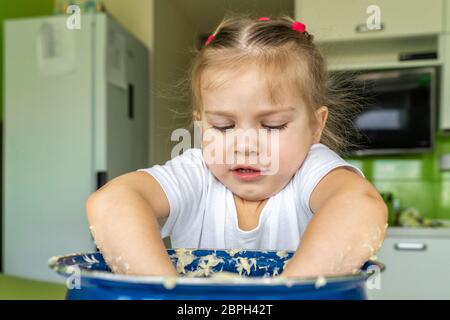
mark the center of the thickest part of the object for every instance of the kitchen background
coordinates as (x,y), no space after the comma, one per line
(415,185)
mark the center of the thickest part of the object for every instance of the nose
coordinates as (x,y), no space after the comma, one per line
(246,142)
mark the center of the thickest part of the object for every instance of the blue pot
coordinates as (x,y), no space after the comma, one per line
(207,275)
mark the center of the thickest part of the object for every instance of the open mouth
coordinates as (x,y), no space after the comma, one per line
(246,173)
(246,169)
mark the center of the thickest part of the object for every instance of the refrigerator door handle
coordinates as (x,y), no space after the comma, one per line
(130,101)
(102,178)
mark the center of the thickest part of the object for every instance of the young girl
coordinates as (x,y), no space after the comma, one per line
(265,75)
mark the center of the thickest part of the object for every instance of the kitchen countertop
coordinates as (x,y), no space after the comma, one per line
(443,232)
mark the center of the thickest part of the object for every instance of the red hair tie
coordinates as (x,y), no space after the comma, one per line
(298,26)
(210,38)
(264,19)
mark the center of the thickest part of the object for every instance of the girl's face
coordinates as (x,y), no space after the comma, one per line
(241,127)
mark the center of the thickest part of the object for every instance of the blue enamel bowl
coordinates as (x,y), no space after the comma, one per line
(208,275)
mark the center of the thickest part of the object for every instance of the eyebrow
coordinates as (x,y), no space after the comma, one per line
(260,114)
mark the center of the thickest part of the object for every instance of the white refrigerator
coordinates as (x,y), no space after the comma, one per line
(75,116)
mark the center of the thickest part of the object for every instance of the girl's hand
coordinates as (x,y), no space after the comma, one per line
(123,216)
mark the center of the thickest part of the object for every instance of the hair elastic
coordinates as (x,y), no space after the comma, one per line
(298,26)
(210,38)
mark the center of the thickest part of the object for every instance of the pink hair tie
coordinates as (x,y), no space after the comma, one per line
(210,38)
(298,26)
(264,19)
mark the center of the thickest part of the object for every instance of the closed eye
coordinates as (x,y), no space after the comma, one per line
(223,128)
(280,127)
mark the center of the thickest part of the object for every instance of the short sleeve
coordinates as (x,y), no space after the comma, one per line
(317,164)
(183,180)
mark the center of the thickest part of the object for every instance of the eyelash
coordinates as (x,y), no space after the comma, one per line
(280,127)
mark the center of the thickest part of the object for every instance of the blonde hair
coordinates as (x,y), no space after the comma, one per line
(289,61)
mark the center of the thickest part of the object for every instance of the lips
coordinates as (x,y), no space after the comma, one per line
(246,173)
(245,169)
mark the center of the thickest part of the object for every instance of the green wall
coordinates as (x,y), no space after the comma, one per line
(17,9)
(415,180)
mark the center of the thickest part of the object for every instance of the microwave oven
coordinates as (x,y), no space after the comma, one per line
(397,114)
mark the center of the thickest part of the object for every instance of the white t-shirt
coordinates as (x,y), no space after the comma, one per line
(203,212)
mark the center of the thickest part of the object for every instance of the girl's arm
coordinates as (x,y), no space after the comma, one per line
(348,227)
(123,217)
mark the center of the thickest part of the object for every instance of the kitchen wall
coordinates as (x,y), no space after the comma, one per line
(175,35)
(169,34)
(415,180)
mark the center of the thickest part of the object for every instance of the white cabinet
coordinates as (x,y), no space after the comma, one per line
(444,116)
(347,19)
(416,267)
(447,16)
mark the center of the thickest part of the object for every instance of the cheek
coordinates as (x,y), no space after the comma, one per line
(290,156)
(219,171)
(292,151)
(214,147)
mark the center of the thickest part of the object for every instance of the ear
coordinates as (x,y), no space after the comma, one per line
(321,115)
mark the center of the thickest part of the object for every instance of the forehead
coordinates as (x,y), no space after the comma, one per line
(248,85)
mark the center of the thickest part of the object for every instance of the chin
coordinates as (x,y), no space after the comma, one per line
(251,194)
